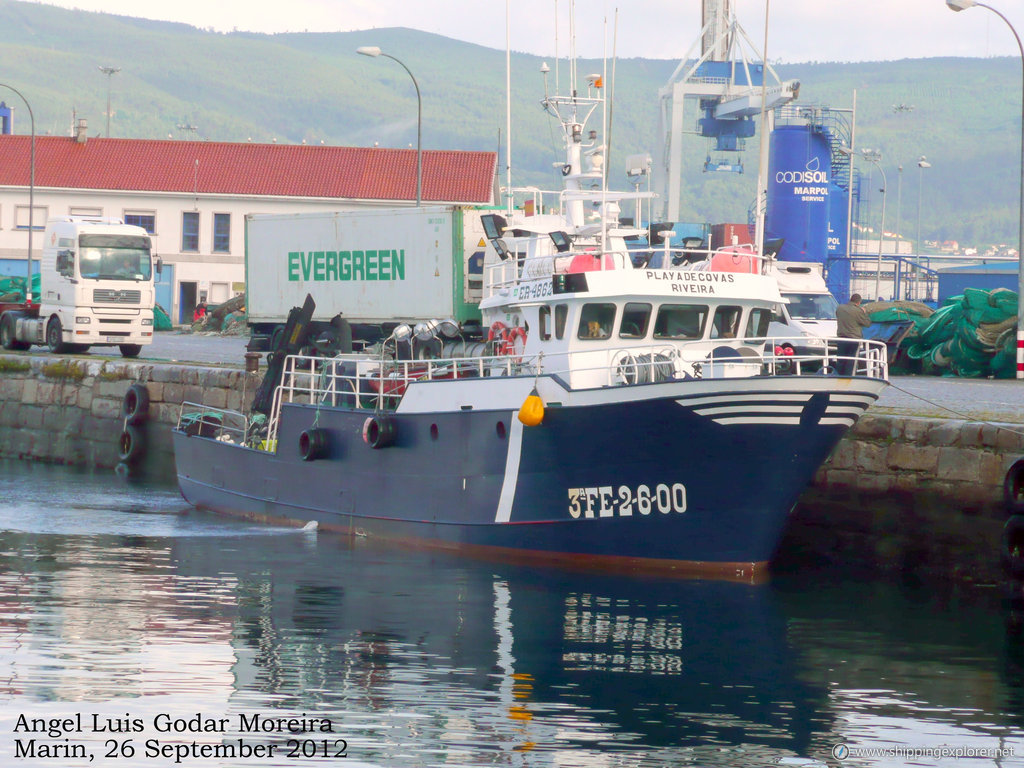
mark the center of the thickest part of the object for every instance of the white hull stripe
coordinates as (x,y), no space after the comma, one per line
(508,486)
(770,408)
(732,398)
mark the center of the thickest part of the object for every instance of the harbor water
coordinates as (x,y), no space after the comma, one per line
(136,631)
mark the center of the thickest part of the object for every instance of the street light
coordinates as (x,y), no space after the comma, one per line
(374,51)
(959,5)
(109,71)
(874,156)
(922,163)
(31,189)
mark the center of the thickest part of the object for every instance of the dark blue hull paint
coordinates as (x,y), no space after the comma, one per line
(652,479)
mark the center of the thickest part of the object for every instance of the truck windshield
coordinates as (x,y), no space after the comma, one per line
(114,257)
(811,306)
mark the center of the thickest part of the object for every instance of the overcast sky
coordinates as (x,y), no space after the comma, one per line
(800,30)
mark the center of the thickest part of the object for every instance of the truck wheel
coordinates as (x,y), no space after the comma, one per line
(130,350)
(8,338)
(54,337)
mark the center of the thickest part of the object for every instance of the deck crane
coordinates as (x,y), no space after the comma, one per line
(727,81)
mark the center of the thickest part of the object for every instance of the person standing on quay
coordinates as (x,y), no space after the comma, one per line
(851,320)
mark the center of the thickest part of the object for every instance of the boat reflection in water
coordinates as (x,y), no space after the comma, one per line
(414,651)
(121,603)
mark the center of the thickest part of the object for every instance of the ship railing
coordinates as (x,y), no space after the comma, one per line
(222,424)
(742,259)
(378,385)
(503,277)
(730,358)
(374,384)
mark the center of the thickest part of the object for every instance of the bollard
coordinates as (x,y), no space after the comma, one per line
(252,362)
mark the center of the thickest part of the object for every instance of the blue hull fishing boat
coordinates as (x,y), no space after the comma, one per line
(614,413)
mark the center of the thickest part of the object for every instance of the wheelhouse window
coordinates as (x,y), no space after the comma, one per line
(545,323)
(114,257)
(757,323)
(190,231)
(596,321)
(726,324)
(222,233)
(636,317)
(680,321)
(561,315)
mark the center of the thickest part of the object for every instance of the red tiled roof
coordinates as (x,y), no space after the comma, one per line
(247,169)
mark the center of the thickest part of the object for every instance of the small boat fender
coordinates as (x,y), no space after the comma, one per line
(379,431)
(135,405)
(531,413)
(314,444)
(1013,488)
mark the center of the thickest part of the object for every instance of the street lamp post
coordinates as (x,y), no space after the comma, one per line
(922,163)
(31,189)
(109,71)
(374,51)
(959,5)
(876,158)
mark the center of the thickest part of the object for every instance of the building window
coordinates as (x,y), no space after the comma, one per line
(39,214)
(190,231)
(75,210)
(222,233)
(144,219)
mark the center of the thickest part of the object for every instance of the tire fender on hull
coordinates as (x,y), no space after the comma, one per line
(379,431)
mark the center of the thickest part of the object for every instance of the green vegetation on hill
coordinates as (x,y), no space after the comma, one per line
(314,88)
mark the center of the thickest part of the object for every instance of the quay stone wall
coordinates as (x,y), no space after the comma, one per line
(910,495)
(899,493)
(69,410)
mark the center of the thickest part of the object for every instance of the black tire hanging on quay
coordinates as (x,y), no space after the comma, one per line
(135,405)
(131,446)
(1012,553)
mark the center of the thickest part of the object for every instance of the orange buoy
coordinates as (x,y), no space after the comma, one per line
(531,412)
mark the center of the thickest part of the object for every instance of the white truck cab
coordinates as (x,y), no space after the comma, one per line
(809,314)
(96,286)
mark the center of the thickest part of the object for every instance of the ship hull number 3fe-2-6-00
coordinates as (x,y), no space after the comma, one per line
(624,501)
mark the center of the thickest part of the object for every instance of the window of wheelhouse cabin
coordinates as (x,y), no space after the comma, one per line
(635,319)
(561,314)
(680,321)
(757,323)
(726,324)
(544,318)
(596,321)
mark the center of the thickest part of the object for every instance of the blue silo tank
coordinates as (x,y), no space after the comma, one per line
(799,170)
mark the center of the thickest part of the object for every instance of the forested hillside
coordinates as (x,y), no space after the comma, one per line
(182,82)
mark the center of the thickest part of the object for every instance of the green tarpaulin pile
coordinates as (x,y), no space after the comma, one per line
(161,320)
(12,289)
(972,335)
